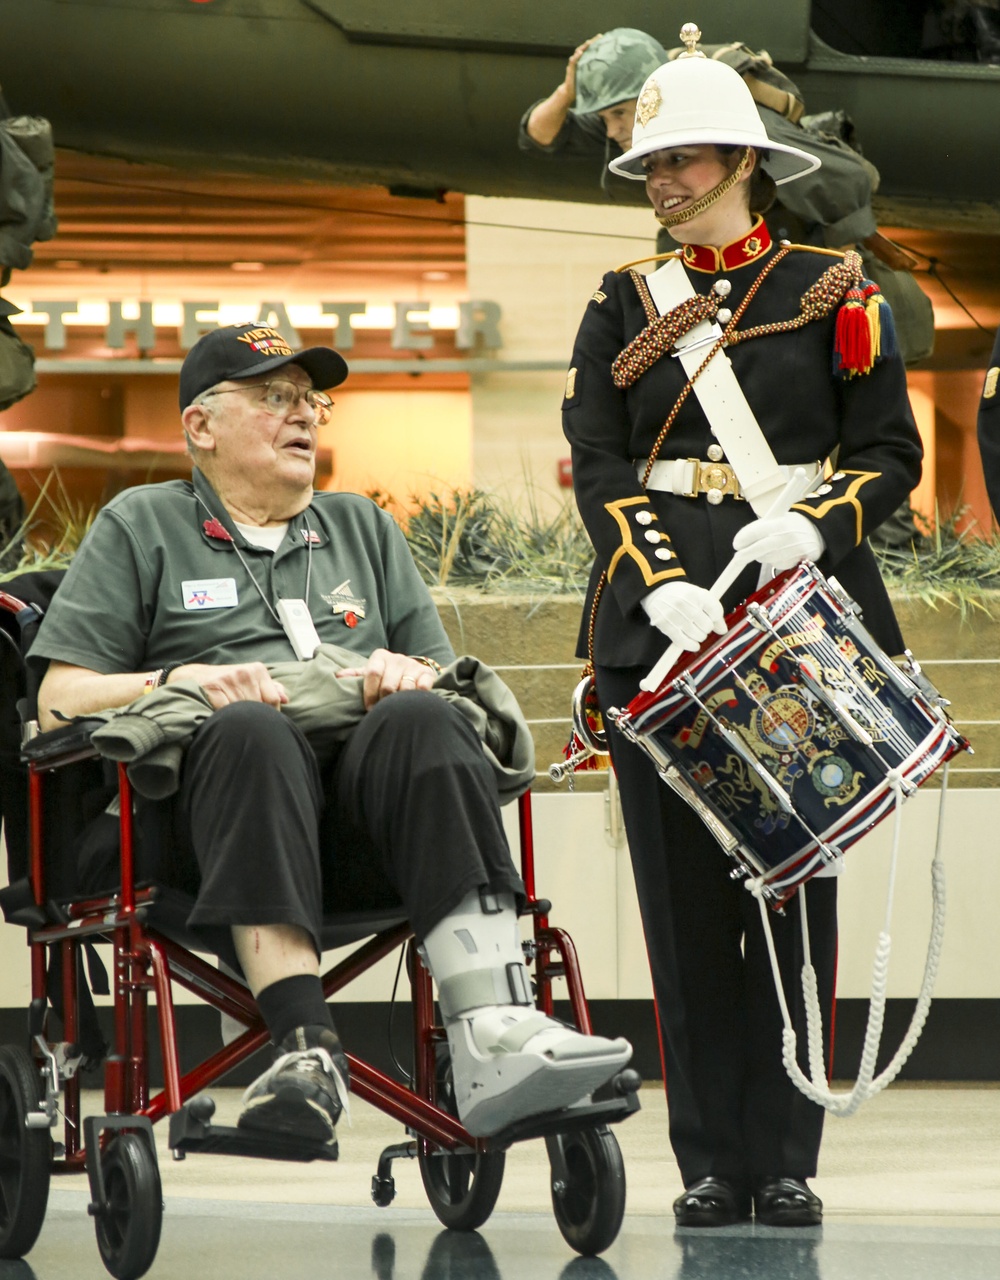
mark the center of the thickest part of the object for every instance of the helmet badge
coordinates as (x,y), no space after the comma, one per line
(648,104)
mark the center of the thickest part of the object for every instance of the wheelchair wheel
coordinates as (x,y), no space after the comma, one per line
(128,1233)
(590,1205)
(462,1189)
(25,1155)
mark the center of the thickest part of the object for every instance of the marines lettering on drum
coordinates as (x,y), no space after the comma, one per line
(791,734)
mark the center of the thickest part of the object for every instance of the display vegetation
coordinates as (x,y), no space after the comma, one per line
(474,539)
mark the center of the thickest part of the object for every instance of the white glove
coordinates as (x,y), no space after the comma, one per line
(685,613)
(781,541)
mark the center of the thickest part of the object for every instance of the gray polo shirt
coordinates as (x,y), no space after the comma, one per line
(164,576)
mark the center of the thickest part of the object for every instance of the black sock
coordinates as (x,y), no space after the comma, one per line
(293,1002)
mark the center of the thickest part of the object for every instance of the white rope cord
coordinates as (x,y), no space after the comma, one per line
(878,717)
(867,1084)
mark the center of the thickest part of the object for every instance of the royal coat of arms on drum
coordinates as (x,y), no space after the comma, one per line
(793,734)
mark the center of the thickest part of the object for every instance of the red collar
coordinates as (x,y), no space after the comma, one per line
(704,257)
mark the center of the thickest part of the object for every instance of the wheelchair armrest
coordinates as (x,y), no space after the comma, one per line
(65,745)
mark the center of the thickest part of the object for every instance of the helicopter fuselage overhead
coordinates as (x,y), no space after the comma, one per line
(426,97)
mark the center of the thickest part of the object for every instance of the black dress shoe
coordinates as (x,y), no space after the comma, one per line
(712,1202)
(787,1202)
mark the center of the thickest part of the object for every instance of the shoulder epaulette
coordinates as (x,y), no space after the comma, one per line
(815,248)
(653,257)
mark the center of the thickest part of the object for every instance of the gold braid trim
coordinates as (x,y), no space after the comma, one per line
(818,300)
(653,257)
(661,334)
(657,338)
(784,244)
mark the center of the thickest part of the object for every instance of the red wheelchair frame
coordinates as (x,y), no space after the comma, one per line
(462,1175)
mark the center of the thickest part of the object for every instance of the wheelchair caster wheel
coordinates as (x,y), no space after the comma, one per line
(25,1155)
(462,1188)
(588,1188)
(383,1191)
(128,1223)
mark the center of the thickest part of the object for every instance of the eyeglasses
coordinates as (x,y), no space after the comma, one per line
(282,396)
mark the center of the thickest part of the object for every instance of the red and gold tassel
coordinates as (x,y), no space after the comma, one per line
(852,353)
(880,321)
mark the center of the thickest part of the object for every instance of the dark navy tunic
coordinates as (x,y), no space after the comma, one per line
(863,423)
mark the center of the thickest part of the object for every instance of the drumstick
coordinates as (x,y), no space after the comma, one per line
(797,487)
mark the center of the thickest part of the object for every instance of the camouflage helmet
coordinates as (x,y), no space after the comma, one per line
(614,67)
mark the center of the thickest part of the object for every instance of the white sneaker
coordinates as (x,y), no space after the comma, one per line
(303,1093)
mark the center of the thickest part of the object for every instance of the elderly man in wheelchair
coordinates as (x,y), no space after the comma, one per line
(207,585)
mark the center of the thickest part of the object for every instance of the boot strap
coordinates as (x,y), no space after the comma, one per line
(482,987)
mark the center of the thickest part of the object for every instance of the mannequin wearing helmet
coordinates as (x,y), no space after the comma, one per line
(602,81)
(665,509)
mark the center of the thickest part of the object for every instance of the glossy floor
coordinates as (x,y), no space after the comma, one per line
(911,1186)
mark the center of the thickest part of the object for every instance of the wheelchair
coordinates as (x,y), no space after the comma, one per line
(45,778)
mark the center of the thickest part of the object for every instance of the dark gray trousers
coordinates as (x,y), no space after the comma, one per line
(734,1113)
(404,813)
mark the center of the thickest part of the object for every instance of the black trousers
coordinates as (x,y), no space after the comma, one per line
(734,1113)
(405,813)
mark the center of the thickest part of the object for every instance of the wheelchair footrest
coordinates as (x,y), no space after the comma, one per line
(191,1130)
(611,1104)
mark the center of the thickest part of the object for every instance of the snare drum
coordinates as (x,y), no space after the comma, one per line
(791,735)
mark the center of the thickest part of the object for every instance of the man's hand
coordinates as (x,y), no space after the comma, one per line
(387,672)
(549,116)
(569,81)
(238,682)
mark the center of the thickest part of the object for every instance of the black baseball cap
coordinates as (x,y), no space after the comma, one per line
(244,350)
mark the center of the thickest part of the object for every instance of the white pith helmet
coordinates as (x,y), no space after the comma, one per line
(696,100)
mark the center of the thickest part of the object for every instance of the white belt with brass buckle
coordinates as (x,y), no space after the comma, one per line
(689,477)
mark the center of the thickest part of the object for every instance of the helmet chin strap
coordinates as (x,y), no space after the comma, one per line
(709,198)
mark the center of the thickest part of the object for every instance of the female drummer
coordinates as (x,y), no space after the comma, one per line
(825,392)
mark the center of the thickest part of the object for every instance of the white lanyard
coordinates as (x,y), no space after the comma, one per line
(292,616)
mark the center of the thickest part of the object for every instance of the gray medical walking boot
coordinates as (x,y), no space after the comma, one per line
(509,1061)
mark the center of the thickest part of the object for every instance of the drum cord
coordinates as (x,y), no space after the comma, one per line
(867,1084)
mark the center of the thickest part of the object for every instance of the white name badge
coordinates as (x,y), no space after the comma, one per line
(209,593)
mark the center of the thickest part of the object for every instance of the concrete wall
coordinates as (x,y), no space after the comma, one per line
(540,260)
